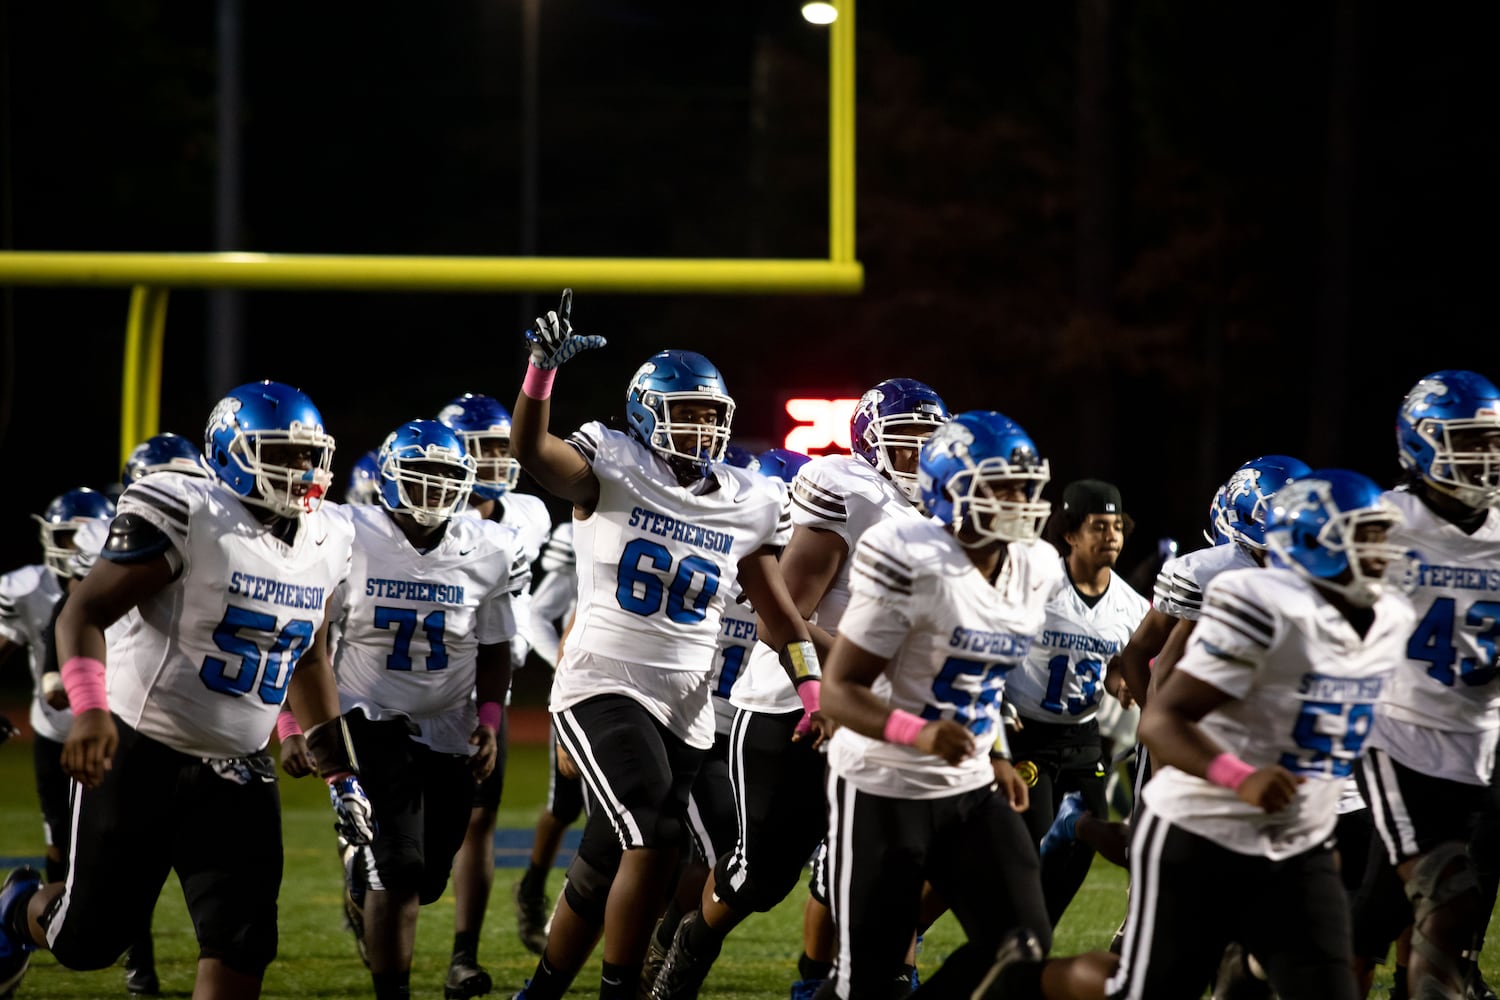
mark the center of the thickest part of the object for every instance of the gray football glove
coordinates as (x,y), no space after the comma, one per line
(552,341)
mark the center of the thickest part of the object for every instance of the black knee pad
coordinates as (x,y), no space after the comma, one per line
(249,957)
(399,870)
(587,891)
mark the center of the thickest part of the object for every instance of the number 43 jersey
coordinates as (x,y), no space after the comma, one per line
(203,667)
(950,636)
(1304,685)
(412,622)
(656,561)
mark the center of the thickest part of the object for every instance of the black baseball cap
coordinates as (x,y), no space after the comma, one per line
(1092,496)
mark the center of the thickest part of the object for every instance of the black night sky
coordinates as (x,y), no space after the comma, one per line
(1164,237)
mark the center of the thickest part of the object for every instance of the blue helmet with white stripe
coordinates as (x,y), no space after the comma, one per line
(265,441)
(484,426)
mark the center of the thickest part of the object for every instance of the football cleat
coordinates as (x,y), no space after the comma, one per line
(656,957)
(531,918)
(465,978)
(1064,829)
(682,972)
(140,969)
(15,952)
(1477,988)
(806,989)
(354,897)
(1019,951)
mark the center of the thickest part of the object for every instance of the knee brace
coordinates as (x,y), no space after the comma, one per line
(587,891)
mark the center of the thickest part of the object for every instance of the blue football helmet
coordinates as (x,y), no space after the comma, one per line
(970,459)
(740,458)
(61,520)
(364,480)
(781,463)
(673,377)
(253,440)
(896,401)
(1215,534)
(425,471)
(1448,433)
(166,452)
(1313,527)
(1241,514)
(484,426)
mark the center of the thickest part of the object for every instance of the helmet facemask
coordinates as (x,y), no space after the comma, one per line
(432,485)
(707,442)
(495,472)
(1465,458)
(882,438)
(58,547)
(285,489)
(977,504)
(1337,558)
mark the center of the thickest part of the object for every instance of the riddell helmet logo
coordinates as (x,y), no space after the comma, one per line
(1241,484)
(951,439)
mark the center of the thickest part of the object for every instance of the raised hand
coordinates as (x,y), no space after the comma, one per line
(552,340)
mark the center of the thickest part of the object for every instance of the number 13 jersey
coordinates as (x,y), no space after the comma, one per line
(203,667)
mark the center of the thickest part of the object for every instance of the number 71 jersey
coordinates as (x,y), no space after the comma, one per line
(203,667)
(656,561)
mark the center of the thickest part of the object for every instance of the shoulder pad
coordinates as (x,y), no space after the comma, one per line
(132,538)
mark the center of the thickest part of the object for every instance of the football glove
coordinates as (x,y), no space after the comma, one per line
(552,341)
(356,819)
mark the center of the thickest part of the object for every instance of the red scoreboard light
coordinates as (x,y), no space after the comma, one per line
(822,425)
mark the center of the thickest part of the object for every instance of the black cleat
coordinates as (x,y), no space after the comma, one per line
(140,969)
(1476,988)
(656,957)
(1019,954)
(682,972)
(465,979)
(1237,978)
(354,900)
(531,918)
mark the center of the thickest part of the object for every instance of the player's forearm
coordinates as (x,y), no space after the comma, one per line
(854,705)
(492,673)
(1176,741)
(313,694)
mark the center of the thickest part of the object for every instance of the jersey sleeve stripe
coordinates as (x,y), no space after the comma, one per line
(1253,614)
(1238,624)
(878,566)
(584,445)
(169,509)
(1226,656)
(818,508)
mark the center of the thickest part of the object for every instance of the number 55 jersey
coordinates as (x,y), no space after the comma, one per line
(950,636)
(203,666)
(1304,685)
(656,562)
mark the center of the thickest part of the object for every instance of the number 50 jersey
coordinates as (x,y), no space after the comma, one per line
(656,561)
(950,636)
(203,667)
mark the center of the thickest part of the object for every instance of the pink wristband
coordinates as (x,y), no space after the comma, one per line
(83,680)
(538,383)
(1228,771)
(903,727)
(811,694)
(489,715)
(286,726)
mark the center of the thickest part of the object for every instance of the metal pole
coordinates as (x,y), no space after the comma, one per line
(531,16)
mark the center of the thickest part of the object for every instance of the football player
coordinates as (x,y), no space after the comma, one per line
(1253,736)
(712,819)
(426,620)
(665,534)
(1057,692)
(484,426)
(920,786)
(230,579)
(778,772)
(1436,727)
(363,486)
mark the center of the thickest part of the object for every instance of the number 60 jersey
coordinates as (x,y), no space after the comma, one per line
(950,636)
(203,667)
(1304,685)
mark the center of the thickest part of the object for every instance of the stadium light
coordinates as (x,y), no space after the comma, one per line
(822,424)
(820,13)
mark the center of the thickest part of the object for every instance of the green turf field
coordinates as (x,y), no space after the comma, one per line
(317,957)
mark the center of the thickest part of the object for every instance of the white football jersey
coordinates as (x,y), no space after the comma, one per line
(843,494)
(1182,581)
(1305,686)
(27,598)
(1062,678)
(413,622)
(528,516)
(1441,714)
(556,591)
(203,667)
(656,564)
(950,635)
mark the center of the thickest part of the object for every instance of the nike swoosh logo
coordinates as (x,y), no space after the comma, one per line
(466,552)
(320,541)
